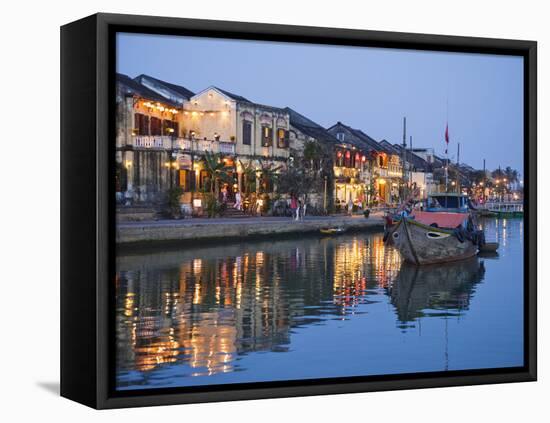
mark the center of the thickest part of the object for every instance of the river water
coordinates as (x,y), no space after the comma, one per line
(314,307)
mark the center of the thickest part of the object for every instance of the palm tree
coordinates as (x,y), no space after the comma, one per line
(216,169)
(511,175)
(313,153)
(249,176)
(268,173)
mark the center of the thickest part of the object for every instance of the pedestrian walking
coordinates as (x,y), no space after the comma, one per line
(350,207)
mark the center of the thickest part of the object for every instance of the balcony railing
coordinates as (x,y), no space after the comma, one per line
(152,141)
(224,147)
(172,143)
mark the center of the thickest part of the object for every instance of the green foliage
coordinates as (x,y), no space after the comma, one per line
(216,169)
(296,181)
(269,175)
(173,196)
(211,205)
(249,177)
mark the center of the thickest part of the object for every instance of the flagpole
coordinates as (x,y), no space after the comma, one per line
(447,150)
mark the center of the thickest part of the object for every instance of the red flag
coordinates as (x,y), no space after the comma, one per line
(447,137)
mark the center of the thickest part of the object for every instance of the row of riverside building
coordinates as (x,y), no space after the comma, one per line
(164,130)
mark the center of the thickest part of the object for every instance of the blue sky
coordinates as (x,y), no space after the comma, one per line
(367,88)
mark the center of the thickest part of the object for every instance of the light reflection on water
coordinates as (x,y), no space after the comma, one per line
(252,311)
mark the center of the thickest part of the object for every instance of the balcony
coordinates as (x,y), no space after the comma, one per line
(163,142)
(213,146)
(152,141)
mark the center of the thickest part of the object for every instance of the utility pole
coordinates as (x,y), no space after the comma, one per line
(404,159)
(458,167)
(410,157)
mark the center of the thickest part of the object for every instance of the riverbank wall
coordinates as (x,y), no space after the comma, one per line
(156,233)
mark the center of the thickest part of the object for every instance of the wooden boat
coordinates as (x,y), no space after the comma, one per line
(430,237)
(332,231)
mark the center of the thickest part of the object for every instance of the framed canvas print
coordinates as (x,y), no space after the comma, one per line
(256,211)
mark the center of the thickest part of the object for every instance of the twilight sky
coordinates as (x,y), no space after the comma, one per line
(366,88)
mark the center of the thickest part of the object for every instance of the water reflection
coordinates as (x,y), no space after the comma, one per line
(438,290)
(209,311)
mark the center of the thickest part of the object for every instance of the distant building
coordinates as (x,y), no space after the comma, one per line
(147,125)
(303,131)
(164,130)
(384,173)
(419,172)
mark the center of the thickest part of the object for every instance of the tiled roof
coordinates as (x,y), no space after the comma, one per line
(309,127)
(135,88)
(359,140)
(390,148)
(184,92)
(234,96)
(241,99)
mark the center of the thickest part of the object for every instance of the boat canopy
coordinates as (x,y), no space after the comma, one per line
(441,219)
(450,201)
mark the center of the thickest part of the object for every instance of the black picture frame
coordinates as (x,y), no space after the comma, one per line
(87,208)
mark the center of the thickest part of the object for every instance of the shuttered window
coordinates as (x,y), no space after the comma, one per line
(156,126)
(141,124)
(247,133)
(282,138)
(267,136)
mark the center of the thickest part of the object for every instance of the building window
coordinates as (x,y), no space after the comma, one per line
(155,126)
(141,124)
(282,138)
(247,133)
(267,136)
(170,127)
(381,161)
(340,136)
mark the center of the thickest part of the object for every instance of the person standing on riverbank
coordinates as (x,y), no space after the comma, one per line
(293,206)
(238,201)
(303,209)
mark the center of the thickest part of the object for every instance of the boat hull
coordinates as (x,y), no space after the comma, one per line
(420,244)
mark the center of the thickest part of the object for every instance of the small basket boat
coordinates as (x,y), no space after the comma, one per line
(332,231)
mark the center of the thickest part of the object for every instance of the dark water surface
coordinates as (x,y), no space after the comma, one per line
(312,308)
